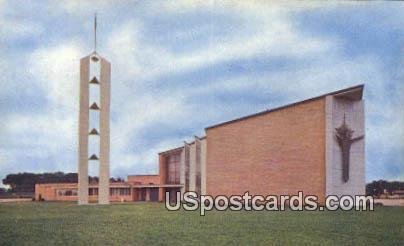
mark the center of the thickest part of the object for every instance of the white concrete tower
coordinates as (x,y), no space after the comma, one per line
(95,85)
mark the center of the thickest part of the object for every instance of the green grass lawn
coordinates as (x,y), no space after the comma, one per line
(150,224)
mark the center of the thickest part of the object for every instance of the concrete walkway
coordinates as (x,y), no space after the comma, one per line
(15,200)
(390,202)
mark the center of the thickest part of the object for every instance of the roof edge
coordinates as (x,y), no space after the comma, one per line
(360,86)
(139,175)
(181,147)
(171,150)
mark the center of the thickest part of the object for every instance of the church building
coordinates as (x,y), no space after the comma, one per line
(316,146)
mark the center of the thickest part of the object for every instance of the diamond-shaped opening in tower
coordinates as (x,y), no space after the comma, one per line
(93,157)
(94,81)
(94,132)
(94,106)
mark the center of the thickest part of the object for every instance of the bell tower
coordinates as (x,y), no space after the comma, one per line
(94,139)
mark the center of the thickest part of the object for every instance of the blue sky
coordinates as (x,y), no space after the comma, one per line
(179,66)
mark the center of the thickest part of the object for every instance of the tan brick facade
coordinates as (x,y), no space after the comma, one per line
(52,192)
(281,152)
(144,179)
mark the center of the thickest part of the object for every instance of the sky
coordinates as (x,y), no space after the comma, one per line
(180,66)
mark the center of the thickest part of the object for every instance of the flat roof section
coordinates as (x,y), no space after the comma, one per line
(114,185)
(142,175)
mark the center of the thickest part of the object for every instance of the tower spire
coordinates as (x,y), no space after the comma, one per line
(101,84)
(95,31)
(94,57)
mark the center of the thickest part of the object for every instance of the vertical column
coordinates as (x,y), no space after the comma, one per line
(182,170)
(162,169)
(83,130)
(147,199)
(203,166)
(187,166)
(329,145)
(358,151)
(192,166)
(161,194)
(105,88)
(197,165)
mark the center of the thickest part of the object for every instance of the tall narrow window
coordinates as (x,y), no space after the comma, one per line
(173,168)
(187,166)
(198,167)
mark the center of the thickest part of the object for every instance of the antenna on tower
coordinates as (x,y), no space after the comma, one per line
(94,57)
(95,31)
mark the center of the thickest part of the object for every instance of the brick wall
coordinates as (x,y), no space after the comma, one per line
(48,192)
(144,179)
(281,152)
(162,169)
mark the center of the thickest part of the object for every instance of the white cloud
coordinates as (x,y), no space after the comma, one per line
(134,61)
(145,111)
(5,158)
(51,133)
(56,72)
(255,6)
(85,7)
(4,68)
(13,27)
(272,35)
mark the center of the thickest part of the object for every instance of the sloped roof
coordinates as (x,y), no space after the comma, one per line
(352,93)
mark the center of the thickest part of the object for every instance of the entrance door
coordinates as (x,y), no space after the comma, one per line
(142,194)
(154,194)
(173,193)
